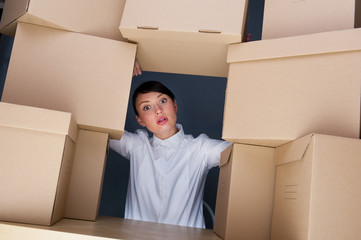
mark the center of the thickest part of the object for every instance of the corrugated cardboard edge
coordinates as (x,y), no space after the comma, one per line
(311,44)
(294,150)
(357,13)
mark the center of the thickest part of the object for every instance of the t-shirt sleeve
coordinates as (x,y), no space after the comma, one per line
(124,145)
(213,149)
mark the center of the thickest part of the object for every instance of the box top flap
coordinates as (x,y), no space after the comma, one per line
(38,119)
(203,35)
(187,15)
(13,10)
(319,43)
(293,151)
(225,156)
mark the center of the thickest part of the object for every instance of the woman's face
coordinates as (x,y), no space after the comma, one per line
(158,113)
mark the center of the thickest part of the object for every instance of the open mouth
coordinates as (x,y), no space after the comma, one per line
(162,120)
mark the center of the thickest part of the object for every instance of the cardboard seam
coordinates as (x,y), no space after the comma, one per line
(102,180)
(228,194)
(57,185)
(35,130)
(310,199)
(67,138)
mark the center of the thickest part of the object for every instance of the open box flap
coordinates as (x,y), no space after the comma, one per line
(225,156)
(293,151)
(13,10)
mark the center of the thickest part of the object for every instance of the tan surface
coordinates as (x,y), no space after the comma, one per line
(317,191)
(85,16)
(245,194)
(85,75)
(87,175)
(290,18)
(187,37)
(107,227)
(282,89)
(35,163)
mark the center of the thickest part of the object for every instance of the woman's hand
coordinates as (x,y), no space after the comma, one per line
(137,70)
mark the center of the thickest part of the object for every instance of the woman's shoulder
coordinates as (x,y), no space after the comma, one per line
(196,140)
(140,135)
(204,141)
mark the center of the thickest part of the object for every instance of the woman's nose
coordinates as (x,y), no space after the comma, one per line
(159,110)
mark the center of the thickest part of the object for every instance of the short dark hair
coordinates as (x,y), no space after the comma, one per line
(150,86)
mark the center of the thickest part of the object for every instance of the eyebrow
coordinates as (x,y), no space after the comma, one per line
(146,101)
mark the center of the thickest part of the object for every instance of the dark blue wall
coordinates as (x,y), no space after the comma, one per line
(6,44)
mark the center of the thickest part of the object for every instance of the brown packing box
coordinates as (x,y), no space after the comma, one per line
(104,228)
(245,193)
(98,18)
(36,152)
(187,37)
(290,18)
(282,89)
(87,175)
(85,75)
(317,192)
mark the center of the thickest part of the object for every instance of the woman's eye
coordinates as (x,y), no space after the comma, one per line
(146,108)
(164,100)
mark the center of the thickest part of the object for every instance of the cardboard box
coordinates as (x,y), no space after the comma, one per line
(282,89)
(87,175)
(85,75)
(317,192)
(36,152)
(291,18)
(188,37)
(105,228)
(245,193)
(91,17)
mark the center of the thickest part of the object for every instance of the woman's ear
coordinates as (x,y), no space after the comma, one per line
(175,105)
(140,121)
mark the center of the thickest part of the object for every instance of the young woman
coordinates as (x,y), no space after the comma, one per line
(167,170)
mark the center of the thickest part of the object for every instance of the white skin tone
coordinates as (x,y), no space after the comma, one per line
(158,113)
(137,70)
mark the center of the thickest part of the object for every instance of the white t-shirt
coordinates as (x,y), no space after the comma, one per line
(167,177)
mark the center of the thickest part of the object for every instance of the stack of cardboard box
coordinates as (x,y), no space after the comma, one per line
(67,56)
(293,112)
(292,105)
